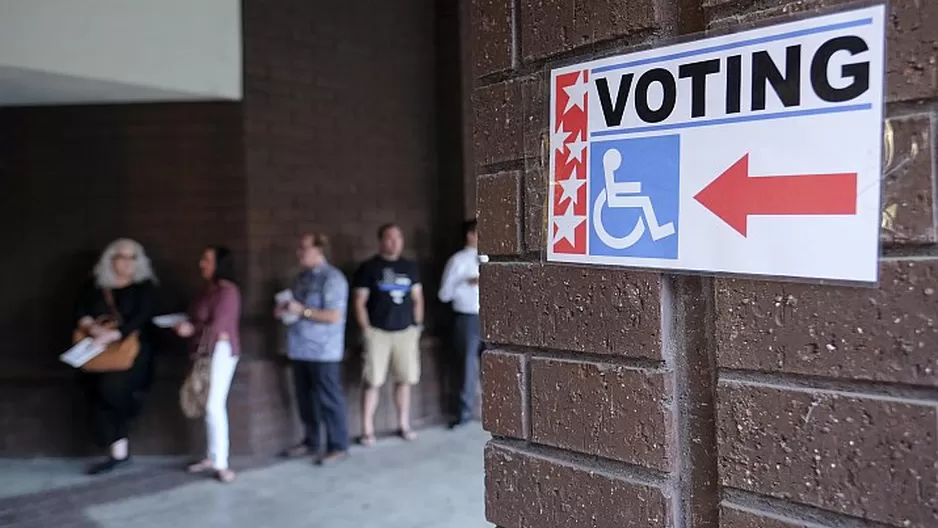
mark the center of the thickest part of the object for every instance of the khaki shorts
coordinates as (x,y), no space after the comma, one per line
(398,350)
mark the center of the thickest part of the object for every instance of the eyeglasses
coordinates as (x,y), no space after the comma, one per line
(120,256)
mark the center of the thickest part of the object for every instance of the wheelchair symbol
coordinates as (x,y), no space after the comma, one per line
(625,195)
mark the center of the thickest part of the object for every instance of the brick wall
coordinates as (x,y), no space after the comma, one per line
(618,398)
(350,119)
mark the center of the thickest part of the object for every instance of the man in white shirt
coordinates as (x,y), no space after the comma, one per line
(460,286)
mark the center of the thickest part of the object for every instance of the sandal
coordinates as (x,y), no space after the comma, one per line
(199,467)
(407,434)
(367,440)
(225,476)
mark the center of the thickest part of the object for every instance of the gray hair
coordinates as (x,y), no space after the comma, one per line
(104,269)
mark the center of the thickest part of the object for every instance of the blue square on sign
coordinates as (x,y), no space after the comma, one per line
(634,207)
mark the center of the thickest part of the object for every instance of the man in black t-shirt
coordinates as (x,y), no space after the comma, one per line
(389,307)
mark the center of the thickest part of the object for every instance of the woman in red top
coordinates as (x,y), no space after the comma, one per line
(214,330)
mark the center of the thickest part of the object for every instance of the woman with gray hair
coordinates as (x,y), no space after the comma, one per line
(123,286)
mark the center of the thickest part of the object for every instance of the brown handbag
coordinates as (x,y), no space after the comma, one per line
(118,356)
(193,395)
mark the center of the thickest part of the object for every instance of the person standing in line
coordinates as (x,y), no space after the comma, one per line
(124,292)
(389,308)
(460,286)
(214,330)
(316,346)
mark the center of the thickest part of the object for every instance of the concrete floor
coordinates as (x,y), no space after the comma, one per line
(435,482)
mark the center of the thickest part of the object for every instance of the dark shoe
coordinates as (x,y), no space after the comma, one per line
(107,466)
(463,419)
(299,450)
(332,457)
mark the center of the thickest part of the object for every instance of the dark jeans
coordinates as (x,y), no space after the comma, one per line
(469,347)
(115,398)
(321,400)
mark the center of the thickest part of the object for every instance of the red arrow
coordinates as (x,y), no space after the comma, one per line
(735,195)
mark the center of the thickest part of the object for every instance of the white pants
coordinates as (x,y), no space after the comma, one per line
(216,409)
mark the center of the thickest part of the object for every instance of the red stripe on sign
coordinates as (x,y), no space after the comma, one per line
(571,162)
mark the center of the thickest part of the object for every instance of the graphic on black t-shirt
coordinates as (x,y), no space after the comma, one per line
(397,285)
(389,284)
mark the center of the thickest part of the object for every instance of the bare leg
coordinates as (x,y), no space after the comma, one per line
(369,406)
(402,400)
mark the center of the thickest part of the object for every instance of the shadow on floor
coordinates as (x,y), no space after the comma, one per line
(436,481)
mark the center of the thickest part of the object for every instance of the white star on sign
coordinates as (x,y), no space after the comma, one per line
(571,187)
(576,93)
(566,226)
(576,149)
(558,138)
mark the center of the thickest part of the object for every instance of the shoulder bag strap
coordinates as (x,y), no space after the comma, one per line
(109,299)
(205,347)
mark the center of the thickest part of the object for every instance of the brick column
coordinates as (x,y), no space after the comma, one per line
(340,135)
(617,398)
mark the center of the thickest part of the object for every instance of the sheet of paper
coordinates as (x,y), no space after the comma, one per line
(283,297)
(81,353)
(170,320)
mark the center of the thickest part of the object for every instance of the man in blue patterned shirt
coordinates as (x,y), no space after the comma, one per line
(316,346)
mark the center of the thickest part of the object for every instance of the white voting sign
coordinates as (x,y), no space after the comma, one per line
(754,153)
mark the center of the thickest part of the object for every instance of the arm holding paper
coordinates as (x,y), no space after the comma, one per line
(100,319)
(184,329)
(333,301)
(326,306)
(281,302)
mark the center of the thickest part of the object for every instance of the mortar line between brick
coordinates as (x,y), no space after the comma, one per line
(810,516)
(725,17)
(934,170)
(687,328)
(669,352)
(875,390)
(491,169)
(527,423)
(911,108)
(515,34)
(668,13)
(642,364)
(914,253)
(519,258)
(640,40)
(519,212)
(606,467)
(774,516)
